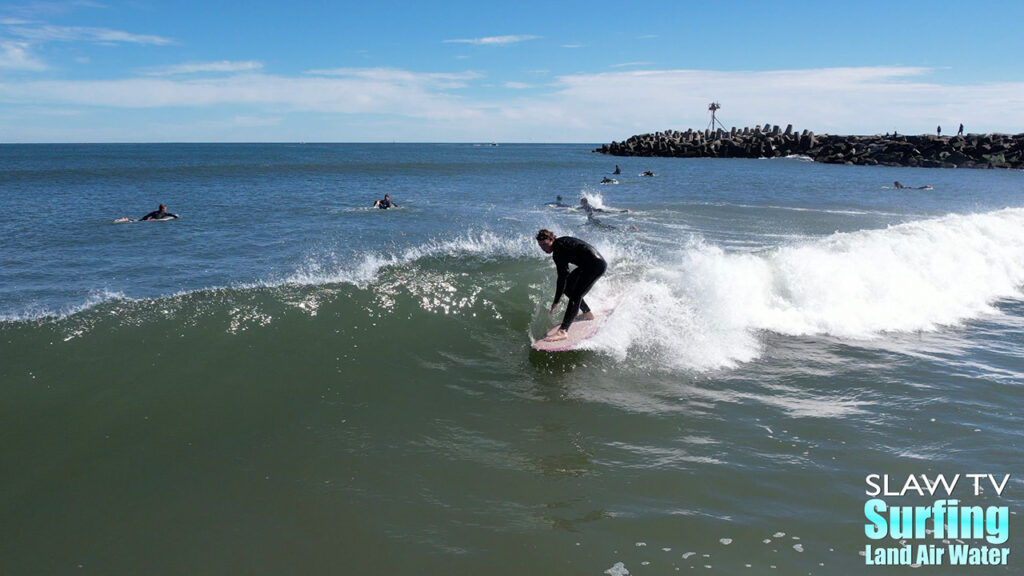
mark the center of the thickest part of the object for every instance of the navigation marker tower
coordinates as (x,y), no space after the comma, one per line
(714,107)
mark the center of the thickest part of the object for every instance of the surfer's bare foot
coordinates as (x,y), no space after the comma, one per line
(586,316)
(560,335)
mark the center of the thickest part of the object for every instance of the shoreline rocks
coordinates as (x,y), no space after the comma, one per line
(928,151)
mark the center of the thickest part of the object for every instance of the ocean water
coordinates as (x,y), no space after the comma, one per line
(286,380)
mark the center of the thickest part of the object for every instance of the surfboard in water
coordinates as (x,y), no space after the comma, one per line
(579,331)
(124,219)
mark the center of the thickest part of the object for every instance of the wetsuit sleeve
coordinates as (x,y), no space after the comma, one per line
(562,266)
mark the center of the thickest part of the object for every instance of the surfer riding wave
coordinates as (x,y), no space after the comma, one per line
(590,265)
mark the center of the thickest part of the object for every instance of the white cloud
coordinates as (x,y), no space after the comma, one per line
(492,40)
(837,100)
(223,66)
(397,76)
(49,33)
(400,104)
(16,56)
(250,121)
(39,9)
(374,92)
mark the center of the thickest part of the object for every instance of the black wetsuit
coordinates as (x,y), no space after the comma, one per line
(157,215)
(590,265)
(385,204)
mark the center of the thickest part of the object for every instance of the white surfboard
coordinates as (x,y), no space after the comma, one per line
(579,331)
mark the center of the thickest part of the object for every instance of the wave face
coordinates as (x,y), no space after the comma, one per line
(317,386)
(695,306)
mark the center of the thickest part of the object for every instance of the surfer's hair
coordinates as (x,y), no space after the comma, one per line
(545,234)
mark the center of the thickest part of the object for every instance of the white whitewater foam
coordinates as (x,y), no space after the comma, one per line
(95,298)
(703,307)
(323,269)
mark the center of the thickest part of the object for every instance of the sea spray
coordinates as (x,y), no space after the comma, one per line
(702,307)
(362,269)
(910,277)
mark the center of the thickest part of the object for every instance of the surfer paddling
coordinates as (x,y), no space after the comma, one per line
(558,203)
(160,213)
(589,208)
(590,265)
(385,203)
(899,186)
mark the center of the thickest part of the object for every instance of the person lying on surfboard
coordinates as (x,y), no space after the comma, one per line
(558,203)
(160,213)
(589,208)
(385,203)
(590,265)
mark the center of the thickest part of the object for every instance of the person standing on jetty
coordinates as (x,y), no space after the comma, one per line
(960,131)
(938,131)
(590,265)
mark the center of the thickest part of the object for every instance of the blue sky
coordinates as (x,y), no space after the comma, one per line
(525,71)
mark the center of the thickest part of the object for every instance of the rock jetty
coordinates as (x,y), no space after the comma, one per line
(968,151)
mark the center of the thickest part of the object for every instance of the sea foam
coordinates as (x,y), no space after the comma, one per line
(364,269)
(703,307)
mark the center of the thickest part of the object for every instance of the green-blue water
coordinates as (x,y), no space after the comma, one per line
(288,381)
